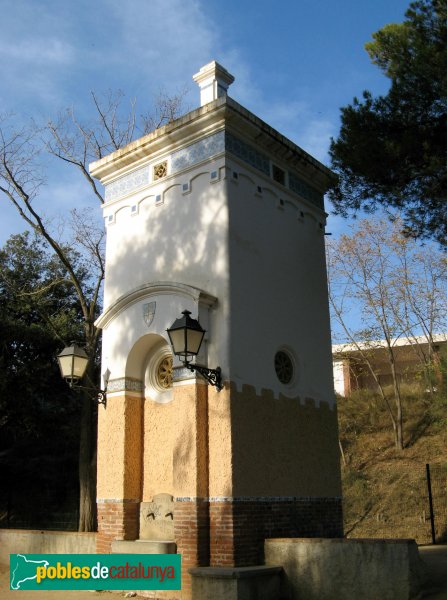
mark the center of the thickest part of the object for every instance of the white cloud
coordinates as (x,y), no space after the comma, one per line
(314,137)
(38,51)
(163,41)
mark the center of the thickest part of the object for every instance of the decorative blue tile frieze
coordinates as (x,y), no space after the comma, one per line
(247,153)
(304,190)
(260,162)
(204,149)
(125,384)
(201,150)
(127,184)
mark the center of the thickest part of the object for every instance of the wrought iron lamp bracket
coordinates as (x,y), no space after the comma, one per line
(97,394)
(212,376)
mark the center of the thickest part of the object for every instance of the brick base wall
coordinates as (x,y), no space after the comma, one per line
(239,526)
(191,532)
(117,520)
(224,532)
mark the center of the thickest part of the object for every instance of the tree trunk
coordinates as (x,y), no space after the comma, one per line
(343,457)
(399,435)
(87,465)
(399,421)
(437,367)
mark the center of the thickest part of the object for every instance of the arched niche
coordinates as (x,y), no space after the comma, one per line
(134,346)
(150,361)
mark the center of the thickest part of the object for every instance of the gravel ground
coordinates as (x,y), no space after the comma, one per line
(435,557)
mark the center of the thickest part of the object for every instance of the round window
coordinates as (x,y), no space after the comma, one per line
(284,367)
(164,373)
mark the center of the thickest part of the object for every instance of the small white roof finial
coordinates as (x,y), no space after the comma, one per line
(213,80)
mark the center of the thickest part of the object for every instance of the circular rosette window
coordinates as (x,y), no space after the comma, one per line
(285,367)
(159,374)
(164,373)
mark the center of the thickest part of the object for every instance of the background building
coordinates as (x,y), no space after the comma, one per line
(412,355)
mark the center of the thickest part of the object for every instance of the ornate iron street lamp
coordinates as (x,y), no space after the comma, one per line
(186,336)
(73,363)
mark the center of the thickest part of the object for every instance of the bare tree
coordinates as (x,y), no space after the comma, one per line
(339,294)
(20,182)
(76,143)
(420,280)
(398,289)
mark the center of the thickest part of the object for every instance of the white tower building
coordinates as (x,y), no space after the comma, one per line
(219,214)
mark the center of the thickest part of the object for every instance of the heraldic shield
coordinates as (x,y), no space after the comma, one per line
(149,312)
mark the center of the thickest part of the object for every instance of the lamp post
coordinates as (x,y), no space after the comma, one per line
(186,336)
(73,363)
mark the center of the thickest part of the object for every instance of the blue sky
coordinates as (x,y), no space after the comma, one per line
(295,63)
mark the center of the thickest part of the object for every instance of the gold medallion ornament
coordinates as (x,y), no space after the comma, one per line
(161,170)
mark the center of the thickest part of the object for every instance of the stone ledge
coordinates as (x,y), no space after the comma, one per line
(348,569)
(36,541)
(236,583)
(143,547)
(353,541)
(234,572)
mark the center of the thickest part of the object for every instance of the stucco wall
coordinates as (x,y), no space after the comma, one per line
(255,445)
(278,287)
(175,459)
(283,446)
(180,240)
(184,230)
(160,436)
(120,447)
(220,443)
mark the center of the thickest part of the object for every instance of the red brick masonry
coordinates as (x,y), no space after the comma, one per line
(225,531)
(117,520)
(239,526)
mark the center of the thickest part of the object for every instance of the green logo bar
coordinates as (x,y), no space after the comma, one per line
(95,571)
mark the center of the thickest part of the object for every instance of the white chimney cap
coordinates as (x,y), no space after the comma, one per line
(213,81)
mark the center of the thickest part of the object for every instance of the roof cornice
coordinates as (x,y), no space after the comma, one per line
(221,113)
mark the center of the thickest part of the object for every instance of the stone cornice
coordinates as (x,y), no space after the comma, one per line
(240,120)
(186,129)
(221,113)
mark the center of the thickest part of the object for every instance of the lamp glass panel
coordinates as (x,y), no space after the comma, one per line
(65,364)
(194,340)
(178,340)
(72,366)
(79,366)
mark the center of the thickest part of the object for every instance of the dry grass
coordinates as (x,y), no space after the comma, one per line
(385,490)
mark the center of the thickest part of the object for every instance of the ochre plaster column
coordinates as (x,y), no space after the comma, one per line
(220,478)
(190,474)
(119,467)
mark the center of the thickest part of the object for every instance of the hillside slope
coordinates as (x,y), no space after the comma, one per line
(385,489)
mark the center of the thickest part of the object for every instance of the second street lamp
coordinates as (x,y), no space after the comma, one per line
(73,362)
